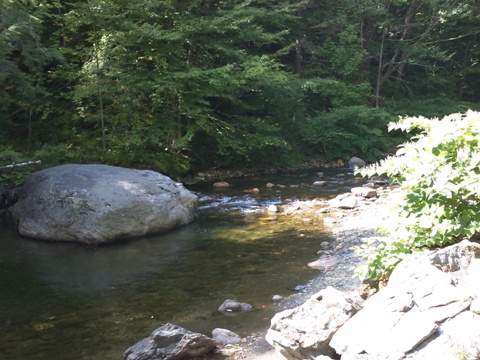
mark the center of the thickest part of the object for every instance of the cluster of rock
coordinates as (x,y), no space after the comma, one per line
(429,310)
(352,163)
(172,342)
(317,163)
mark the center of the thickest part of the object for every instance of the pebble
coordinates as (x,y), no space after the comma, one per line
(277,298)
(299,288)
(324,244)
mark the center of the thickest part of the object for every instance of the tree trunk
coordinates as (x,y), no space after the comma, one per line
(100,95)
(385,70)
(298,56)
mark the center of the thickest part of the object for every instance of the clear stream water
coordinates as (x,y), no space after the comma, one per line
(72,302)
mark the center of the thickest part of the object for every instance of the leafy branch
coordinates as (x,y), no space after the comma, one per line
(439,199)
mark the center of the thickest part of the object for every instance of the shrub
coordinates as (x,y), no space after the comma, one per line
(11,176)
(52,155)
(439,202)
(48,155)
(343,132)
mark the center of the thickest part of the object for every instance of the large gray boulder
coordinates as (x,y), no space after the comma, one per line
(96,204)
(305,332)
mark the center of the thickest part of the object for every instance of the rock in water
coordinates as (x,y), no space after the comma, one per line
(170,342)
(234,307)
(96,204)
(225,337)
(325,262)
(355,162)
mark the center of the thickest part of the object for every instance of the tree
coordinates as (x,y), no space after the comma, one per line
(403,39)
(155,75)
(23,61)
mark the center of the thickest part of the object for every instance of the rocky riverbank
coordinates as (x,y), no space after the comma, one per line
(222,174)
(351,229)
(429,310)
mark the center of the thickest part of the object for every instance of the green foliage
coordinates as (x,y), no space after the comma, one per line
(183,85)
(49,155)
(439,201)
(13,176)
(25,65)
(153,81)
(325,94)
(343,132)
(430,107)
(52,155)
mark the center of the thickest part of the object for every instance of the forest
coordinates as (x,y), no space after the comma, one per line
(179,86)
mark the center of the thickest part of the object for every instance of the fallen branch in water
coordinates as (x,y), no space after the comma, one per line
(11,166)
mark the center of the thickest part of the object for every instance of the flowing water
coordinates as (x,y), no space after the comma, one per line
(68,301)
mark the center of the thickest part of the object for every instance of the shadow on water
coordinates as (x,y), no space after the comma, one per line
(67,301)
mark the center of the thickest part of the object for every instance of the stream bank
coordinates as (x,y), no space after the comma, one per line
(353,228)
(222,174)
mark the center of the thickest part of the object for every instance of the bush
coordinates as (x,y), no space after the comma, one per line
(49,156)
(53,155)
(13,176)
(343,132)
(439,202)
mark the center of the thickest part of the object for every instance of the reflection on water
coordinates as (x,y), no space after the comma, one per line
(67,301)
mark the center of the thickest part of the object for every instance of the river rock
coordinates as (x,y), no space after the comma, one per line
(325,262)
(347,201)
(97,204)
(355,162)
(170,342)
(305,332)
(225,337)
(273,208)
(363,191)
(277,298)
(221,184)
(234,307)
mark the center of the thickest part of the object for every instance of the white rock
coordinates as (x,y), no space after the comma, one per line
(364,191)
(225,337)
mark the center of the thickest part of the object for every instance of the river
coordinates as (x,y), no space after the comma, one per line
(72,302)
